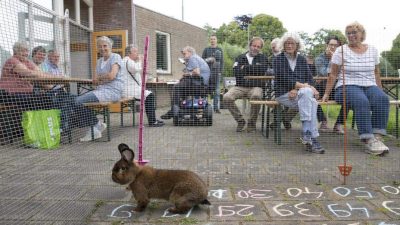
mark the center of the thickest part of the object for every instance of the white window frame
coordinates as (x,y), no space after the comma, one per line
(168,44)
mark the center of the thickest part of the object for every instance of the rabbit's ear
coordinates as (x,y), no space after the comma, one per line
(122,147)
(128,155)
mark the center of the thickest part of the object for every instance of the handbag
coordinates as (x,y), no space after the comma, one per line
(42,128)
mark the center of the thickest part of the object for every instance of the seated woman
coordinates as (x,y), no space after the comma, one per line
(293,88)
(363,88)
(109,81)
(20,92)
(131,70)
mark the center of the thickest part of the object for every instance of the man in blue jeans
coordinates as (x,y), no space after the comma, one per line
(214,57)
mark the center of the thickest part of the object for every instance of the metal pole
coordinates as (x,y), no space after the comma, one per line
(384,28)
(134,42)
(183,18)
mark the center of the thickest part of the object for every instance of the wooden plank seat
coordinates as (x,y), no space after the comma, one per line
(278,117)
(103,108)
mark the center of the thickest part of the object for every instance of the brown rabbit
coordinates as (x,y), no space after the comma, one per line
(183,188)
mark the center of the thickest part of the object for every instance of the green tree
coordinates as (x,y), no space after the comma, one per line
(230,53)
(315,44)
(267,27)
(386,68)
(232,34)
(393,56)
(210,30)
(239,31)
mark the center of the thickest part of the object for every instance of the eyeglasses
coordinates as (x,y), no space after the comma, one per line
(333,45)
(354,32)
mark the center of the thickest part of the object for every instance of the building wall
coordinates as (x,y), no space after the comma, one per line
(113,15)
(181,34)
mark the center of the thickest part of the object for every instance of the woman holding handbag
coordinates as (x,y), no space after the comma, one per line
(131,71)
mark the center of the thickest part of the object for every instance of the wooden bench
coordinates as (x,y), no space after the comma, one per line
(103,108)
(278,118)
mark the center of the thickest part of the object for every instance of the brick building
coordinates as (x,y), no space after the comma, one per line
(120,19)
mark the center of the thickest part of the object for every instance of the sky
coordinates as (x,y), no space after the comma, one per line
(379,18)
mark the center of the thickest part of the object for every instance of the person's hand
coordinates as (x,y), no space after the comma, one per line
(325,98)
(95,82)
(292,94)
(315,92)
(329,51)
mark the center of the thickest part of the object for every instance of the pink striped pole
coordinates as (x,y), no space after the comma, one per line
(142,98)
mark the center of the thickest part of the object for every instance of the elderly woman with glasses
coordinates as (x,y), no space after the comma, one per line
(294,88)
(109,81)
(356,68)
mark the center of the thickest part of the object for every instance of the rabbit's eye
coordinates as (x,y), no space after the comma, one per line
(123,169)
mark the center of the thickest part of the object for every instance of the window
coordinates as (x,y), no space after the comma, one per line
(163,52)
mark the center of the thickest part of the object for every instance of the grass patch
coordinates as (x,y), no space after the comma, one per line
(188,221)
(332,111)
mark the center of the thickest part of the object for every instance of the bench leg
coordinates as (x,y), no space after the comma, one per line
(69,136)
(262,118)
(267,123)
(397,122)
(107,116)
(278,121)
(122,105)
(133,103)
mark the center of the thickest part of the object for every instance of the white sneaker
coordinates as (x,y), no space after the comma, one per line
(96,133)
(380,138)
(375,147)
(103,127)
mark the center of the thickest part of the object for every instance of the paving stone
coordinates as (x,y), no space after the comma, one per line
(358,210)
(61,192)
(65,210)
(238,211)
(109,193)
(354,191)
(117,211)
(295,210)
(390,207)
(20,191)
(20,210)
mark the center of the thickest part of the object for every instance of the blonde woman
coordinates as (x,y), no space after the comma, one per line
(364,94)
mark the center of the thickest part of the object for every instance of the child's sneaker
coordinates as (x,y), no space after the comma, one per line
(306,139)
(316,147)
(338,129)
(324,126)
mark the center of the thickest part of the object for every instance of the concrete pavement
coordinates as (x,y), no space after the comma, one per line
(251,180)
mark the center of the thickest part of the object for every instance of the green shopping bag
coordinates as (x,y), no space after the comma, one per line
(42,128)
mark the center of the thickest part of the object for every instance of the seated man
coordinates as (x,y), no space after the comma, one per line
(195,77)
(251,63)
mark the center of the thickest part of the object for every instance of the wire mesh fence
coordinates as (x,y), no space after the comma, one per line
(70,94)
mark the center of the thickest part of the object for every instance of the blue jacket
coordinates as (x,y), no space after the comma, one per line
(285,78)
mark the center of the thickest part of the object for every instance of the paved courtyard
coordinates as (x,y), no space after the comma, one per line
(251,180)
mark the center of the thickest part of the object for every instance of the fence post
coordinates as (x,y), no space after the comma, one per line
(67,50)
